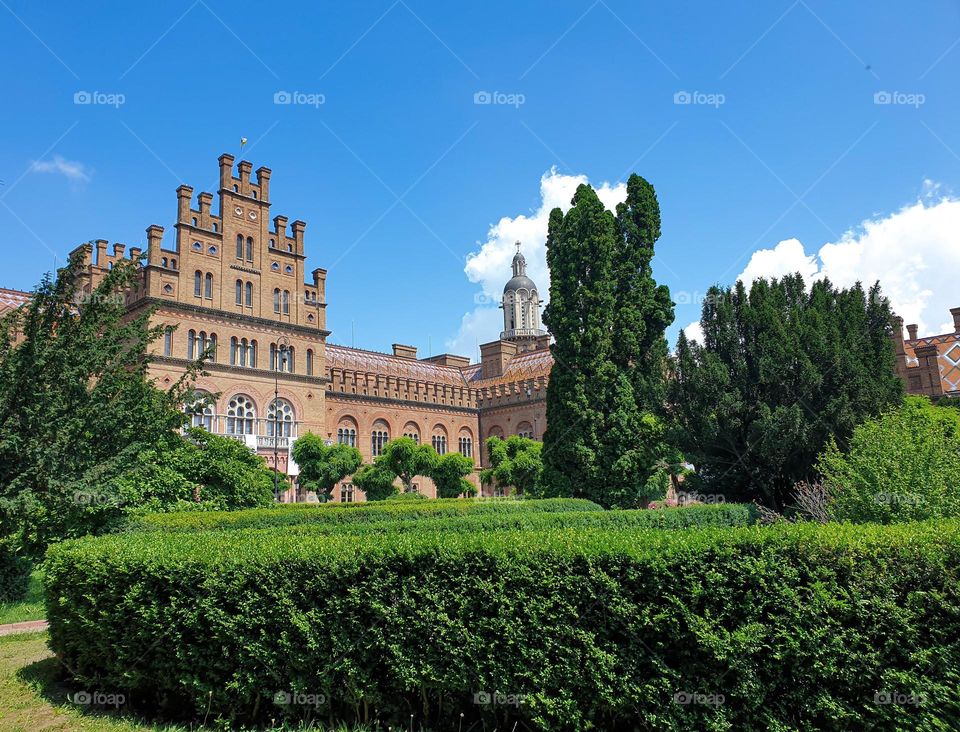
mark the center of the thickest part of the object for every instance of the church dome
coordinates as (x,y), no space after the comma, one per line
(520,282)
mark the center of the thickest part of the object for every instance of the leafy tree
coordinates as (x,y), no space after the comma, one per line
(77,410)
(405,459)
(516,462)
(322,466)
(376,482)
(605,400)
(781,371)
(901,466)
(449,475)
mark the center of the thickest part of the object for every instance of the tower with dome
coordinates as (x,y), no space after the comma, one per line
(521,306)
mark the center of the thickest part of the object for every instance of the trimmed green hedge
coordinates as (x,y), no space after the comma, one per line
(348,513)
(784,627)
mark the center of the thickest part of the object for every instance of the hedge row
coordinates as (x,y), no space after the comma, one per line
(347,513)
(731,514)
(783,627)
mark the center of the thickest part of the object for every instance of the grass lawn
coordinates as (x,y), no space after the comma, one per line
(30,608)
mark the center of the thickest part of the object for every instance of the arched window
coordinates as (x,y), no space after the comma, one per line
(208,286)
(250,248)
(280,419)
(168,341)
(248,294)
(276,300)
(197,283)
(193,221)
(440,444)
(233,351)
(214,228)
(290,360)
(201,342)
(525,429)
(309,362)
(239,246)
(254,194)
(200,409)
(346,493)
(212,344)
(347,434)
(465,443)
(286,302)
(252,354)
(238,292)
(412,431)
(379,437)
(243,351)
(191,344)
(241,415)
(273,243)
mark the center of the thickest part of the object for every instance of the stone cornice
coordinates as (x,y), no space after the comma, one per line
(236,317)
(240,371)
(334,395)
(249,270)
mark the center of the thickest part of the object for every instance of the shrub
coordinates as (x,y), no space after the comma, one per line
(403,497)
(902,466)
(14,573)
(785,627)
(344,513)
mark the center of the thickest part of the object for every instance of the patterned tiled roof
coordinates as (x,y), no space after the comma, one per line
(355,359)
(529,365)
(948,357)
(12,299)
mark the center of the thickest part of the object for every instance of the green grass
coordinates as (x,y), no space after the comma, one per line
(29,608)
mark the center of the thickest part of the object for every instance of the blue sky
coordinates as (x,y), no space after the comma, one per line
(400,174)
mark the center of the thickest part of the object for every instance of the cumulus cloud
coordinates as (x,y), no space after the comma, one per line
(913,252)
(70,169)
(490,265)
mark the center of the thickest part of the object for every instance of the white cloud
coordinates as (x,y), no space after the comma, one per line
(490,265)
(913,252)
(694,332)
(70,169)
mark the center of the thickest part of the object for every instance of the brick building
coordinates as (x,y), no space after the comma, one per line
(929,365)
(234,281)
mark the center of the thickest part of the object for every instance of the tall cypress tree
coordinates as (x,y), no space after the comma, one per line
(580,251)
(608,316)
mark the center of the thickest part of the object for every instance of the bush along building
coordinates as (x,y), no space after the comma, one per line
(233,284)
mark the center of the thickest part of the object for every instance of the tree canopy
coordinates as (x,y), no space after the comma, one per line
(322,466)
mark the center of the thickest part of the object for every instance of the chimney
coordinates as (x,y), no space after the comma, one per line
(184,194)
(226,171)
(280,225)
(320,282)
(495,356)
(244,168)
(912,331)
(135,253)
(401,351)
(298,229)
(154,237)
(205,200)
(955,312)
(263,182)
(118,251)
